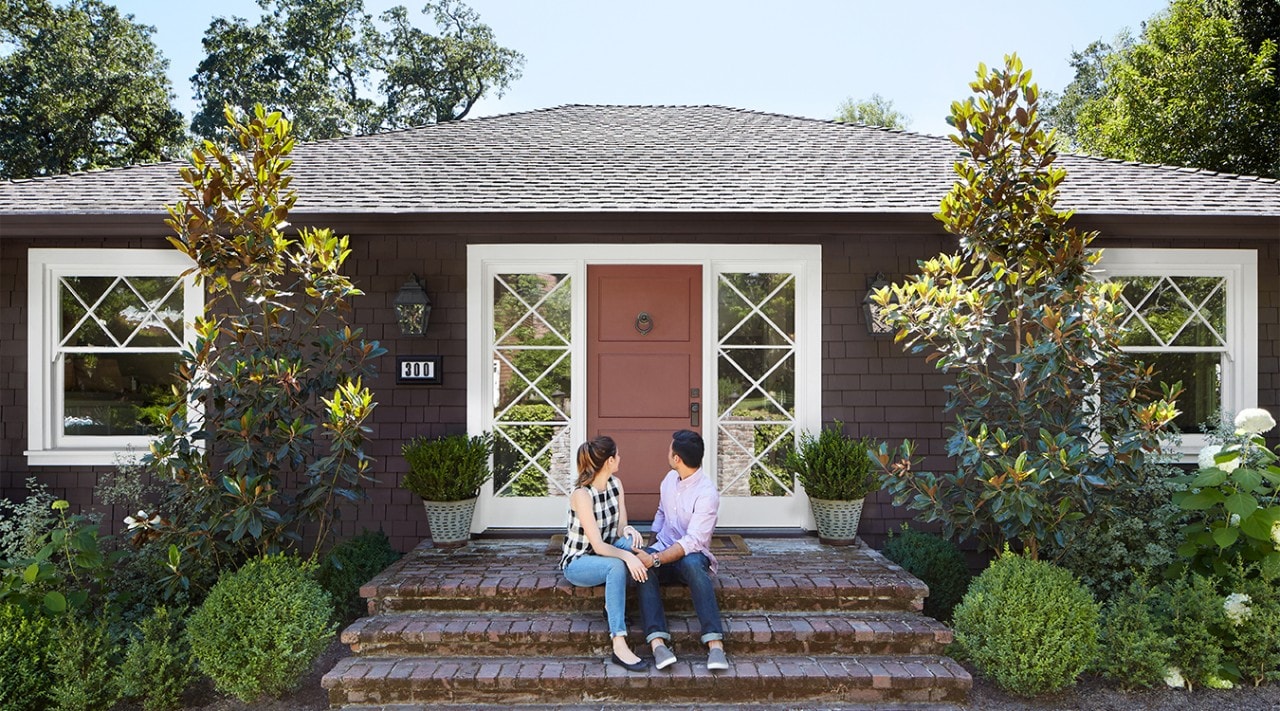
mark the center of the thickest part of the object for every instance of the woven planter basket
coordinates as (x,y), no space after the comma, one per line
(450,522)
(837,520)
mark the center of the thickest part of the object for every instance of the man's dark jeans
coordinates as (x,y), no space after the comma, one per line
(694,570)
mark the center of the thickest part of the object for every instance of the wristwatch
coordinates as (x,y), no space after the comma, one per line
(657,562)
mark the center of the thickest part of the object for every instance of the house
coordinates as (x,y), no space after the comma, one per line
(626,269)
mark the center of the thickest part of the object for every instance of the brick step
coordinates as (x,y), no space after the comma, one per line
(669,706)
(506,681)
(508,578)
(581,633)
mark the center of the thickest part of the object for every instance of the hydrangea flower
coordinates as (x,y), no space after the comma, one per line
(1234,520)
(1205,458)
(1275,534)
(1254,420)
(1173,678)
(1237,608)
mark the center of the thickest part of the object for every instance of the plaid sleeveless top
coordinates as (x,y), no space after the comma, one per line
(607,510)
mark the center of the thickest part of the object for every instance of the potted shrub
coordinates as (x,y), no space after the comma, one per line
(447,473)
(836,472)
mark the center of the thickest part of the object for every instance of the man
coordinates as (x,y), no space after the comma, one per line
(687,510)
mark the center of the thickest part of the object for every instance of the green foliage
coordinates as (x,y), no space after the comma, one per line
(83,666)
(1028,625)
(1198,88)
(24,658)
(1252,645)
(1137,536)
(157,666)
(261,627)
(81,87)
(1192,616)
(1133,650)
(353,563)
(68,570)
(1029,337)
(876,111)
(274,365)
(938,562)
(23,524)
(832,466)
(1091,66)
(1233,506)
(313,60)
(448,468)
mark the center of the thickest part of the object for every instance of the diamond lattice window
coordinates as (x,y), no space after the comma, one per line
(532,367)
(756,388)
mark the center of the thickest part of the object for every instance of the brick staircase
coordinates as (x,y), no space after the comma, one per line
(496,624)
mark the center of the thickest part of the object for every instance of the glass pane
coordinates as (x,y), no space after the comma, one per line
(76,294)
(741,396)
(757,309)
(1209,296)
(531,308)
(752,459)
(535,376)
(118,393)
(532,459)
(1201,377)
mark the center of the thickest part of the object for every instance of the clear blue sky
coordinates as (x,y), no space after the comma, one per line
(798,57)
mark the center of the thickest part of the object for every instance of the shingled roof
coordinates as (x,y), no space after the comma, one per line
(647,159)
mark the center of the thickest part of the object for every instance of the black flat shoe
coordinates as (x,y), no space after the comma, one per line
(640,665)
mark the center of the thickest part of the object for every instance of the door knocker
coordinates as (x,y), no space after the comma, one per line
(644,323)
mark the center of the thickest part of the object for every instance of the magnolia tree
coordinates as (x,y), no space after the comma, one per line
(1049,413)
(267,440)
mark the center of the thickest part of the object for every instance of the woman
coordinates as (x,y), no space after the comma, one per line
(598,544)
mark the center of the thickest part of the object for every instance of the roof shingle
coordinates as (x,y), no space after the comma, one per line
(648,158)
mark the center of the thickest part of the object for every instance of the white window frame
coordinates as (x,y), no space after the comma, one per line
(46,443)
(484,261)
(1240,268)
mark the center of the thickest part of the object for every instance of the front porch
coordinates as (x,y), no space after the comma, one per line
(496,623)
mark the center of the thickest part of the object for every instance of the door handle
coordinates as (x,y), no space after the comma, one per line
(695,414)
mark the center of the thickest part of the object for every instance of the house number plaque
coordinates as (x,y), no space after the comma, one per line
(418,370)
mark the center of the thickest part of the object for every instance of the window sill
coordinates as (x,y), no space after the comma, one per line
(80,457)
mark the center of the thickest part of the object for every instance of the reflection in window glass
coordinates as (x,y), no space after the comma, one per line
(119,349)
(756,387)
(1178,325)
(532,364)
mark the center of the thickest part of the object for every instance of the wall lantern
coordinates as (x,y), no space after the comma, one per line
(413,308)
(876,323)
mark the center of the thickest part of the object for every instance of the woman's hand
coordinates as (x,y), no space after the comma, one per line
(638,571)
(637,540)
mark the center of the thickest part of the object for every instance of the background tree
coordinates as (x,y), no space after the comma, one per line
(1062,110)
(314,60)
(82,87)
(876,111)
(1198,88)
(1050,414)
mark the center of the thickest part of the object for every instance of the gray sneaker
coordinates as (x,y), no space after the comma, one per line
(716,660)
(663,657)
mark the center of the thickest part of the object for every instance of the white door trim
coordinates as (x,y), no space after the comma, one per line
(483,261)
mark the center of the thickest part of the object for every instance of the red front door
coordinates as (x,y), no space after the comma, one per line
(644,367)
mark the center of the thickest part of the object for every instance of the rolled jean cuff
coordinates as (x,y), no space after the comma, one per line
(711,637)
(658,635)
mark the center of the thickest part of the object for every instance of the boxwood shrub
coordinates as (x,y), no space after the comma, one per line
(936,561)
(261,627)
(1028,625)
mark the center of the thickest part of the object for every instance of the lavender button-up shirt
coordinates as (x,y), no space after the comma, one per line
(687,513)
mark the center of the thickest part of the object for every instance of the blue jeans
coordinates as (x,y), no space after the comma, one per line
(694,570)
(589,570)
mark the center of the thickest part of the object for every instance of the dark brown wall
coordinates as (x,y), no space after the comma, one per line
(868,383)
